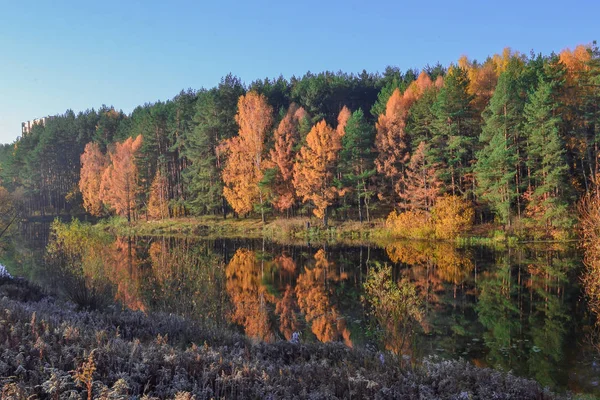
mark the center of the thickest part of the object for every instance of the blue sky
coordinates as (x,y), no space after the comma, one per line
(56,55)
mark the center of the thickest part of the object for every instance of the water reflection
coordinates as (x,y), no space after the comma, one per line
(516,309)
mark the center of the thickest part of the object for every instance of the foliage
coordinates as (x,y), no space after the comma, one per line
(452,216)
(93,164)
(120,185)
(286,136)
(158,203)
(516,135)
(314,168)
(395,305)
(414,224)
(245,164)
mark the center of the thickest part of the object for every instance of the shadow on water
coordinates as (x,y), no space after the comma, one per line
(519,309)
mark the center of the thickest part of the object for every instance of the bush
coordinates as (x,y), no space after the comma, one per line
(410,224)
(451,217)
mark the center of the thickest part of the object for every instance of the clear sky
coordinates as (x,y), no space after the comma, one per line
(56,55)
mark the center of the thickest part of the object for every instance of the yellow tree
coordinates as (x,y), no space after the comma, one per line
(120,181)
(391,140)
(282,156)
(93,164)
(245,164)
(342,120)
(482,80)
(315,166)
(158,203)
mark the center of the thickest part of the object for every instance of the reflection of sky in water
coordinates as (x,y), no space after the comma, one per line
(518,310)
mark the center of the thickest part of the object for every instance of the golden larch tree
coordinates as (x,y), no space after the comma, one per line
(120,186)
(342,120)
(158,203)
(421,187)
(315,166)
(93,164)
(482,81)
(282,157)
(245,164)
(391,140)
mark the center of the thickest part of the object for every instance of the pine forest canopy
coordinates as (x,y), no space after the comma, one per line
(515,136)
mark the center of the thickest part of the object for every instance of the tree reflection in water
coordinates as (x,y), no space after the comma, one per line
(514,309)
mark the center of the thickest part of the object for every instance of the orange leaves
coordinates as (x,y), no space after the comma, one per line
(110,180)
(120,187)
(576,60)
(244,167)
(93,164)
(282,155)
(313,171)
(391,139)
(158,204)
(421,186)
(452,216)
(254,117)
(343,118)
(483,78)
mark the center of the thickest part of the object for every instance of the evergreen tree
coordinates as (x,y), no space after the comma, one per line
(215,122)
(356,160)
(549,187)
(452,147)
(499,166)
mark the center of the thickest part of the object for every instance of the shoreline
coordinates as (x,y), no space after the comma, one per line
(295,231)
(120,353)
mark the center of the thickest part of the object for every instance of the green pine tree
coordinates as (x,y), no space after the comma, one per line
(498,162)
(455,132)
(356,160)
(549,188)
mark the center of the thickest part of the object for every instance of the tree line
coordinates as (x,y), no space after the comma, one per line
(514,136)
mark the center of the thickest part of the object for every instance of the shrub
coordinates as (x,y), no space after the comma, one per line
(452,216)
(414,224)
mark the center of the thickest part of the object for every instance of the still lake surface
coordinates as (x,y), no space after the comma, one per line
(520,309)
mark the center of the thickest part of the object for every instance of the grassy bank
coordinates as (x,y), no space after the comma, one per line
(281,230)
(302,230)
(53,350)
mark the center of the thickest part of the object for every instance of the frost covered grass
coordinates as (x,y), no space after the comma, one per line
(49,349)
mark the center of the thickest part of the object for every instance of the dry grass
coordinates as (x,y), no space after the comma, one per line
(52,350)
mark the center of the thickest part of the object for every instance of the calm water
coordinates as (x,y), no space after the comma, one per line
(520,309)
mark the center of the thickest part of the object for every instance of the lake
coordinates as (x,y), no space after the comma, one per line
(516,309)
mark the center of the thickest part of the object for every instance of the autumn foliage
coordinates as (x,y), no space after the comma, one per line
(315,168)
(452,216)
(158,203)
(245,163)
(249,296)
(283,154)
(120,185)
(112,180)
(93,164)
(392,141)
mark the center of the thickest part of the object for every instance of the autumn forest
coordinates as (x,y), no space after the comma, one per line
(255,240)
(512,141)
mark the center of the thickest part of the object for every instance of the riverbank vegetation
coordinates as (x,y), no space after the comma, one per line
(512,138)
(56,350)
